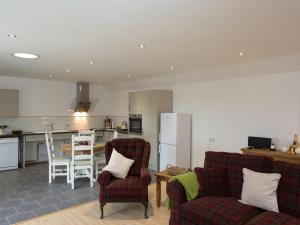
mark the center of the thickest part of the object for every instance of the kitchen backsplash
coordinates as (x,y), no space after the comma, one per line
(39,123)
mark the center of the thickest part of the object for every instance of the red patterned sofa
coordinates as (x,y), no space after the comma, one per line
(221,182)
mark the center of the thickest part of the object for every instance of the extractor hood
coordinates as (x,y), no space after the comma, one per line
(83,97)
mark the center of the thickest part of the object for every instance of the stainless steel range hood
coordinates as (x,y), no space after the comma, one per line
(83,97)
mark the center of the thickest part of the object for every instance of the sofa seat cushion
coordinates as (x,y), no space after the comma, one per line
(268,218)
(118,188)
(216,210)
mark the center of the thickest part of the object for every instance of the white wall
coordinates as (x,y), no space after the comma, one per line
(40,98)
(226,110)
(231,110)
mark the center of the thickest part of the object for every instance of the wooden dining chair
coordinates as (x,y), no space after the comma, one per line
(82,158)
(86,132)
(58,166)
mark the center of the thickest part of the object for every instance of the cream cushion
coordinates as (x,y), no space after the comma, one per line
(118,165)
(259,189)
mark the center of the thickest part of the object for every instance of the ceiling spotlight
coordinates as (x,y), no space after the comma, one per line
(142,46)
(68,70)
(241,54)
(91,62)
(128,75)
(25,55)
(172,67)
(50,75)
(12,36)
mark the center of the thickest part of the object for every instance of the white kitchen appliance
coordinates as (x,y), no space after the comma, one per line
(9,149)
(175,140)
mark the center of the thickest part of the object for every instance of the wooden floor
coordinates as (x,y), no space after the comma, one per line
(114,214)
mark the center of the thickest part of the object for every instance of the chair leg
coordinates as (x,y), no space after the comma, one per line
(146,209)
(96,170)
(101,209)
(50,173)
(68,173)
(53,172)
(72,177)
(91,177)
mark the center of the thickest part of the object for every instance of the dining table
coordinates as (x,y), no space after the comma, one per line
(98,148)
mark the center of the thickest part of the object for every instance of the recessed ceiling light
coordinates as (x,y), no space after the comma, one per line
(128,75)
(241,54)
(68,70)
(12,36)
(25,55)
(91,62)
(142,46)
(50,75)
(172,67)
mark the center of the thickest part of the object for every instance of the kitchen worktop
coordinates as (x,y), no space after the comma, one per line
(9,135)
(32,133)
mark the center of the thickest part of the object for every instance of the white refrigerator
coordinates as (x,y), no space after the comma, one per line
(175,140)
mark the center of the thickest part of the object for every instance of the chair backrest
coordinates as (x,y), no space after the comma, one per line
(50,146)
(234,164)
(116,134)
(132,148)
(82,148)
(87,133)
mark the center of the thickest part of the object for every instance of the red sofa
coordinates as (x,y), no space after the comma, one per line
(221,182)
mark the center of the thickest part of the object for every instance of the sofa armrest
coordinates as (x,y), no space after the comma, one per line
(177,196)
(176,193)
(104,178)
(145,177)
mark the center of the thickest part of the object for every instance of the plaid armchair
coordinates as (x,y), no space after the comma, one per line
(135,187)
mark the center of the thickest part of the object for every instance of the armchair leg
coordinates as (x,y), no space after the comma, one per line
(101,209)
(146,209)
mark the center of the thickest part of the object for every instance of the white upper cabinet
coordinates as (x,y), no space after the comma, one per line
(9,103)
(135,103)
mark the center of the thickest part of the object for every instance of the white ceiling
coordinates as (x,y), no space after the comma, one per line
(191,35)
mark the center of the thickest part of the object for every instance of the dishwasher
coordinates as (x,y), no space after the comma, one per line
(9,157)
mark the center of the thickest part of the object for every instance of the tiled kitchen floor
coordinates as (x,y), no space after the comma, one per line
(25,193)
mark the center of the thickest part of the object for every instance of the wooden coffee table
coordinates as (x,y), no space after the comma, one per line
(160,176)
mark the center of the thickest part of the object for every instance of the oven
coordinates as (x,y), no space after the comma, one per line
(135,123)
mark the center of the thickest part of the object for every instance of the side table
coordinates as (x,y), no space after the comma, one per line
(160,176)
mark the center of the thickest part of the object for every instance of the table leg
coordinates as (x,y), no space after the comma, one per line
(158,192)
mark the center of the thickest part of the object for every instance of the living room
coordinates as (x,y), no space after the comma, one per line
(231,66)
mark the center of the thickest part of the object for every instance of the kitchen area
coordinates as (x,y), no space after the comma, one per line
(22,138)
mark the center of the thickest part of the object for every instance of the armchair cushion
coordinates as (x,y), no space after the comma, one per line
(145,177)
(120,190)
(118,165)
(213,181)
